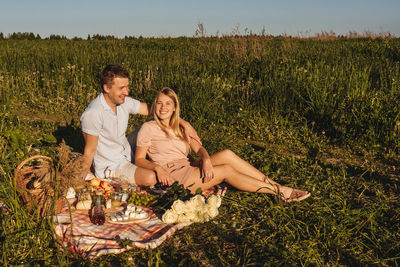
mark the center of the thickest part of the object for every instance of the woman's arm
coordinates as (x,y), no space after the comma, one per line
(207,170)
(189,132)
(141,161)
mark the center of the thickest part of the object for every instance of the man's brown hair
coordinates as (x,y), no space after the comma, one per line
(110,72)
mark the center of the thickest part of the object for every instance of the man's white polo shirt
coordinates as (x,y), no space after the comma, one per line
(100,120)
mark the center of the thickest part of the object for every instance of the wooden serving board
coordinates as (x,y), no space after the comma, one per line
(110,210)
(127,221)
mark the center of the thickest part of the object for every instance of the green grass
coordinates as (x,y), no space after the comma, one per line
(318,115)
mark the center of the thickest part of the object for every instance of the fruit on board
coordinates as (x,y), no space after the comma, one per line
(105,186)
(95,182)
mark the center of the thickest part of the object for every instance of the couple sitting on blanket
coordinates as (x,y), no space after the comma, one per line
(166,141)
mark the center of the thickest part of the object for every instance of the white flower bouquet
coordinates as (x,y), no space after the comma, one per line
(196,209)
(179,205)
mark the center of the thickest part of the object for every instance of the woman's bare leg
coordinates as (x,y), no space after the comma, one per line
(226,173)
(145,177)
(228,157)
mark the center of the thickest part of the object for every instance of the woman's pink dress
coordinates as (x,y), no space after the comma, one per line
(169,152)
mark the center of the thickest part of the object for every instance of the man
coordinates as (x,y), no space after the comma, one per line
(104,123)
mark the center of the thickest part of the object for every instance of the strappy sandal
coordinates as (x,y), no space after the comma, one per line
(295,196)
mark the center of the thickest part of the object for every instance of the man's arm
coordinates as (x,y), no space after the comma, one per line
(144,109)
(89,152)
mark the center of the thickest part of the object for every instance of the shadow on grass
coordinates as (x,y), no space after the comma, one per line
(357,171)
(72,135)
(369,176)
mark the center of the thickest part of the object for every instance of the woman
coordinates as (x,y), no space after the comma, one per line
(163,141)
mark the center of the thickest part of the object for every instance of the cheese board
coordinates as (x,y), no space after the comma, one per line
(112,218)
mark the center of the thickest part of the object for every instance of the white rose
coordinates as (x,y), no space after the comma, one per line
(169,217)
(178,207)
(197,202)
(189,206)
(198,217)
(213,212)
(191,216)
(203,217)
(187,217)
(183,218)
(214,201)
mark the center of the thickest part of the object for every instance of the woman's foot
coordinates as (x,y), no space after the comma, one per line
(288,194)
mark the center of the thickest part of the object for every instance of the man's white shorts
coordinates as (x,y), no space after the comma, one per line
(126,173)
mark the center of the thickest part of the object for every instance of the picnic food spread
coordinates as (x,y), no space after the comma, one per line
(109,201)
(91,216)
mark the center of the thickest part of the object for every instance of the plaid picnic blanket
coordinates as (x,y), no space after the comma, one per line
(80,236)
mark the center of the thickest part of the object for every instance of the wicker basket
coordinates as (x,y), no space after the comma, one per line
(35,184)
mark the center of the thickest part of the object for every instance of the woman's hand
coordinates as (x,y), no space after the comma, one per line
(163,176)
(207,170)
(217,189)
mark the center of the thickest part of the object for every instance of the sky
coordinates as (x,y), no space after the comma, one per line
(173,18)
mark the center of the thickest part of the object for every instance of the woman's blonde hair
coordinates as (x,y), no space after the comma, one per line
(174,121)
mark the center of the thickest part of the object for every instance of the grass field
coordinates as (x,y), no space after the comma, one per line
(322,115)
